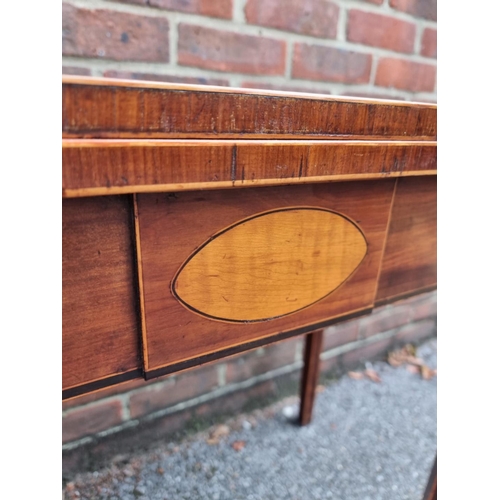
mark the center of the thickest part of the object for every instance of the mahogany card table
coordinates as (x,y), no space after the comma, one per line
(201,222)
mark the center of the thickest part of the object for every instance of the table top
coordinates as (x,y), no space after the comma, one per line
(118,135)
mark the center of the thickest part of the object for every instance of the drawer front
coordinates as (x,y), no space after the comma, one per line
(220,269)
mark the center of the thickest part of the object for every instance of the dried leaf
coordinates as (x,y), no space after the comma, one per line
(356,375)
(405,355)
(410,349)
(220,431)
(415,361)
(160,470)
(119,459)
(394,359)
(238,445)
(413,369)
(372,375)
(128,471)
(217,433)
(427,373)
(320,388)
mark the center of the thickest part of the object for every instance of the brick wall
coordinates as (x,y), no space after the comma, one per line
(384,48)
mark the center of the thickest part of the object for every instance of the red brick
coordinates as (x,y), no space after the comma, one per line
(105,393)
(261,361)
(72,70)
(236,401)
(286,88)
(153,77)
(418,8)
(366,353)
(405,75)
(183,387)
(212,8)
(415,332)
(384,319)
(227,51)
(114,35)
(316,62)
(309,17)
(415,299)
(372,95)
(428,100)
(90,420)
(332,364)
(341,334)
(380,31)
(137,2)
(429,43)
(425,309)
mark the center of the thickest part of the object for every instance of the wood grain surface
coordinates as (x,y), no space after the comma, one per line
(410,257)
(430,492)
(270,265)
(182,152)
(310,375)
(99,321)
(108,108)
(104,167)
(173,226)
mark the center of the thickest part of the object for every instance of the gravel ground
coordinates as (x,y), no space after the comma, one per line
(367,441)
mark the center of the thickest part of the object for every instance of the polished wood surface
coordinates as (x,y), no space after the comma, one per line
(430,492)
(270,265)
(99,318)
(173,226)
(110,108)
(152,176)
(410,255)
(310,374)
(105,167)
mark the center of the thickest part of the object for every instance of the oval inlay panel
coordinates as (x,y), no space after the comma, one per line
(269,265)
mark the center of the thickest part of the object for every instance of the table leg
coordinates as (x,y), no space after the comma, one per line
(431,489)
(310,373)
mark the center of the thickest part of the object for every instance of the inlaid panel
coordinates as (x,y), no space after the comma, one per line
(224,268)
(270,265)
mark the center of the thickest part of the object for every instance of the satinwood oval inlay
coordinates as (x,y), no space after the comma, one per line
(270,265)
